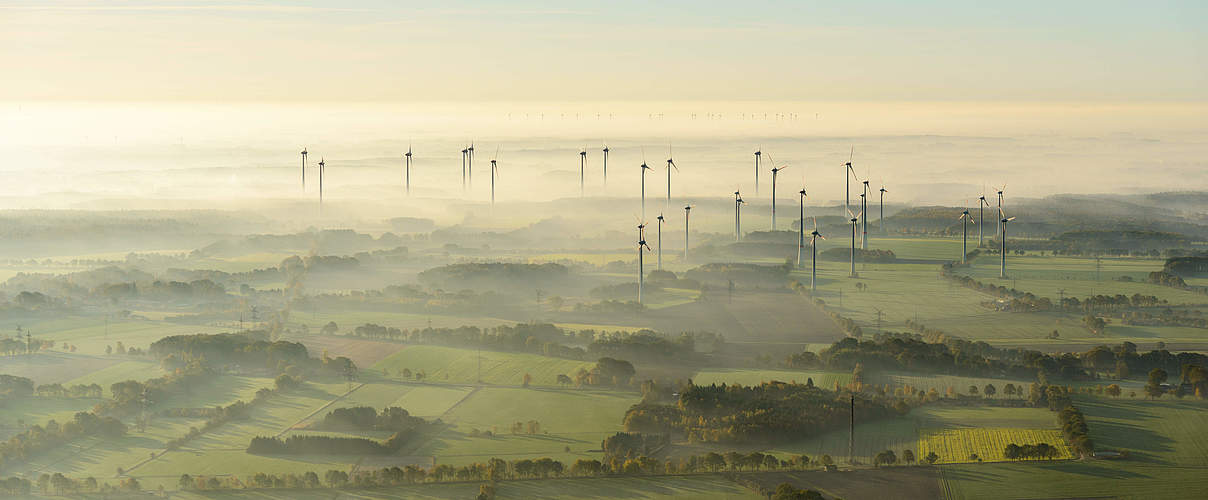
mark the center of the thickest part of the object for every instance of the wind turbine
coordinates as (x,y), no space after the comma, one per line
(408,172)
(1002,265)
(864,217)
(738,216)
(470,170)
(1004,186)
(855,219)
(775,170)
(966,218)
(758,153)
(464,152)
(494,173)
(641,244)
(644,169)
(687,212)
(660,242)
(814,235)
(605,165)
(800,223)
(303,170)
(670,165)
(981,216)
(582,167)
(848,173)
(881,218)
(322,169)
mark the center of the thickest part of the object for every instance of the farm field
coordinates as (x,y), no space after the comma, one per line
(893,483)
(960,445)
(139,370)
(348,320)
(710,487)
(455,365)
(578,420)
(48,367)
(90,337)
(1165,439)
(899,434)
(941,383)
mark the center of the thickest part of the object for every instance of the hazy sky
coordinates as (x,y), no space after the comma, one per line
(524,50)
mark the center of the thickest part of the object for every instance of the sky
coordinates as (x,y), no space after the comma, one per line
(604,51)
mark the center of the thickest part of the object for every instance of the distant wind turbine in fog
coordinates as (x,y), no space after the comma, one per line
(855,221)
(758,153)
(1000,190)
(981,216)
(464,152)
(582,169)
(800,224)
(660,243)
(407,173)
(814,259)
(303,170)
(1003,220)
(605,150)
(470,169)
(670,165)
(494,173)
(687,212)
(881,218)
(775,170)
(864,217)
(644,169)
(738,203)
(322,169)
(965,219)
(641,247)
(848,174)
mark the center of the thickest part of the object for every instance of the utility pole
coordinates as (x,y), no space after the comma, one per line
(1061,299)
(851,435)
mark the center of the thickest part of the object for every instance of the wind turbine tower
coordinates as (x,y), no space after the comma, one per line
(303,170)
(644,169)
(758,153)
(775,170)
(582,169)
(322,170)
(687,212)
(738,216)
(981,217)
(605,165)
(800,225)
(1002,265)
(660,243)
(814,259)
(408,171)
(641,245)
(881,218)
(864,217)
(855,221)
(965,218)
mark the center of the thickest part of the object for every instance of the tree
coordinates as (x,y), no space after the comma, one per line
(1153,388)
(1113,390)
(564,380)
(886,457)
(989,390)
(336,478)
(1121,369)
(1011,452)
(973,390)
(526,380)
(931,458)
(908,456)
(827,460)
(331,328)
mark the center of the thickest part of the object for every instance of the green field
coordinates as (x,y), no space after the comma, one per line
(454,365)
(578,420)
(636,488)
(1169,458)
(960,445)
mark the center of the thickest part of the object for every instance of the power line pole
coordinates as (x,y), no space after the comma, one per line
(851,435)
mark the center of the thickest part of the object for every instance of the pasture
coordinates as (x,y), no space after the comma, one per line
(455,365)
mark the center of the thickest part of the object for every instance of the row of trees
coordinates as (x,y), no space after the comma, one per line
(1029,451)
(365,418)
(772,411)
(37,439)
(329,445)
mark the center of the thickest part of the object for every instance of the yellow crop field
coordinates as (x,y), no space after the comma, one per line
(955,446)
